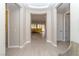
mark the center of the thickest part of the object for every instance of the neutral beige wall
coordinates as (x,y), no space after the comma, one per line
(2,29)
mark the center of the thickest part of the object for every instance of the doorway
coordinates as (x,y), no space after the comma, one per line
(38,28)
(12,26)
(63,25)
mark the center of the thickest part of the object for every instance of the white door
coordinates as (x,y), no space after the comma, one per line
(13,25)
(67,27)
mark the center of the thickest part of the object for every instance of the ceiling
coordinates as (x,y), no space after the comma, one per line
(38,18)
(38,5)
(63,8)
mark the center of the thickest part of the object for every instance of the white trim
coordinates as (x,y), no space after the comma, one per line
(64,27)
(67,12)
(24,44)
(58,5)
(52,43)
(16,46)
(55,22)
(48,41)
(8,29)
(64,22)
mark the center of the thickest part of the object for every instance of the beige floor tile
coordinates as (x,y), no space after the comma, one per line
(38,47)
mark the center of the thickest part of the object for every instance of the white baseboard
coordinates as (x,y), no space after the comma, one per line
(54,45)
(24,44)
(16,46)
(51,43)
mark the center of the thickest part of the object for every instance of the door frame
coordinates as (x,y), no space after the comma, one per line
(56,6)
(45,23)
(64,23)
(8,26)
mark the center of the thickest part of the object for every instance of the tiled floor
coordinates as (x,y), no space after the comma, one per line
(38,47)
(74,50)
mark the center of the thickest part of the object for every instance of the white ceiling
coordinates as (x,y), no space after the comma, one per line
(38,5)
(63,8)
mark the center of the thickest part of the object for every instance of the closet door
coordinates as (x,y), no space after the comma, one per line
(14,29)
(67,27)
(13,25)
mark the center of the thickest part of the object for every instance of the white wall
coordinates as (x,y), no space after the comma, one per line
(2,29)
(74,22)
(54,26)
(49,26)
(28,25)
(38,11)
(22,26)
